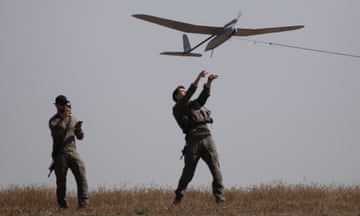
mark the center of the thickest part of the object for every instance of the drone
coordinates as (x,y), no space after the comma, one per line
(217,34)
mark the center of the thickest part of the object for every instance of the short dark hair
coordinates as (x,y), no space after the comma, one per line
(176,91)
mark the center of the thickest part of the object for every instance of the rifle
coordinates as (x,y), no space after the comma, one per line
(51,168)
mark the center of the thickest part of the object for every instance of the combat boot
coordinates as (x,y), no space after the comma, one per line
(177,199)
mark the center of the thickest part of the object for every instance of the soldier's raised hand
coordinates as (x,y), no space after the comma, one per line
(212,77)
(203,73)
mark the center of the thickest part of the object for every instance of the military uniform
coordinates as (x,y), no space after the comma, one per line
(193,118)
(65,156)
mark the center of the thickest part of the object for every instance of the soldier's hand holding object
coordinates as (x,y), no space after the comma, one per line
(78,125)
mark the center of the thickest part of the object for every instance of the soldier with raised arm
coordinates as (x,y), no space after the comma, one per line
(193,118)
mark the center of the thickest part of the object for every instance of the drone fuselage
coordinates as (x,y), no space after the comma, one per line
(221,38)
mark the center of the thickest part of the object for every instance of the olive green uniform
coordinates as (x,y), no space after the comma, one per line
(65,156)
(193,119)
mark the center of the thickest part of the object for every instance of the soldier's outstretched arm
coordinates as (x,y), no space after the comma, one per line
(191,90)
(210,79)
(202,74)
(205,93)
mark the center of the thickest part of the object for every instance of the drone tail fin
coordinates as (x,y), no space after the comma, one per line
(186,43)
(187,49)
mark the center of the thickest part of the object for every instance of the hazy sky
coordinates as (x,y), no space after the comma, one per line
(280,114)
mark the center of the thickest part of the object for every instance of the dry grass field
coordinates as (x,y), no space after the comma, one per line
(275,199)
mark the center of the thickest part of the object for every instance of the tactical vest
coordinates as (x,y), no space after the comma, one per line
(61,142)
(200,116)
(195,118)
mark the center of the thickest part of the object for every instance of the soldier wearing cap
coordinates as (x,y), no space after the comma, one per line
(193,119)
(65,129)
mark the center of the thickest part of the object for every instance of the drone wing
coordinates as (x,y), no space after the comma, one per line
(181,26)
(248,32)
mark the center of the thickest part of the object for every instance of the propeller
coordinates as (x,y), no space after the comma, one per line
(239,15)
(237,19)
(233,22)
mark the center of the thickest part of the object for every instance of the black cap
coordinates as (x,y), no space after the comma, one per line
(62,100)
